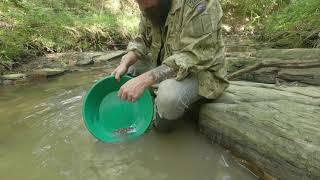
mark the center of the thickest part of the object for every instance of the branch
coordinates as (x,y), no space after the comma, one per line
(276,63)
(8,67)
(5,25)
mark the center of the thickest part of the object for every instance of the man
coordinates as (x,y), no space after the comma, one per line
(180,47)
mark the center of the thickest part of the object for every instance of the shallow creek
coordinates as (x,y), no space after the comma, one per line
(42,136)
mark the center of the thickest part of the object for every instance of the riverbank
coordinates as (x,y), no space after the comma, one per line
(53,65)
(35,28)
(289,65)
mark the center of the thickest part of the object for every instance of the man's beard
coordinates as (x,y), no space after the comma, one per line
(158,14)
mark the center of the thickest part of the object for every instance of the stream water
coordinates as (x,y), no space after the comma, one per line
(42,136)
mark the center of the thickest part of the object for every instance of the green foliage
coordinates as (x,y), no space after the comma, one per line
(34,27)
(288,23)
(255,10)
(297,25)
(42,26)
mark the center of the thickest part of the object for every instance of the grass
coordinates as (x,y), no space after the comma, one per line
(287,23)
(40,27)
(297,25)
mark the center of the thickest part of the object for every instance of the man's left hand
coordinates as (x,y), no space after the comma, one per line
(132,89)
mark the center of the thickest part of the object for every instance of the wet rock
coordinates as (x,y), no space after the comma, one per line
(48,72)
(84,60)
(13,76)
(7,82)
(87,58)
(109,56)
(276,128)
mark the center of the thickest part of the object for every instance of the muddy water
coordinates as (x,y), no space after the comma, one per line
(42,136)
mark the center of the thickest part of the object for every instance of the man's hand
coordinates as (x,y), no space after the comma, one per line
(127,60)
(119,71)
(132,89)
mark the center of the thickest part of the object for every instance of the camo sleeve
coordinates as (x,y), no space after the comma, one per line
(141,43)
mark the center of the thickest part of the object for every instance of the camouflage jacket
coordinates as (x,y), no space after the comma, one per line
(192,43)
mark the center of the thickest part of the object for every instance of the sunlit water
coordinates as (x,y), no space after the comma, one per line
(42,136)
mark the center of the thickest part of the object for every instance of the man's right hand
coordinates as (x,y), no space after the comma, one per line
(127,60)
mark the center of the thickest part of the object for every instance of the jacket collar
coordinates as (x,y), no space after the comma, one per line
(176,4)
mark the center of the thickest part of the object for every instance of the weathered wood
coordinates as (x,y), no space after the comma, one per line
(308,76)
(276,128)
(8,67)
(276,63)
(286,54)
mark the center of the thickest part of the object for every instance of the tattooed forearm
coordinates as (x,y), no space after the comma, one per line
(161,73)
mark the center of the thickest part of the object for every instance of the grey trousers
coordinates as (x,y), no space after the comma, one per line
(173,97)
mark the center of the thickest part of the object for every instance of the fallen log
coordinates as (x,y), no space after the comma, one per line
(275,63)
(276,128)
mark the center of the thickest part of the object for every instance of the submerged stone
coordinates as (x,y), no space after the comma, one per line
(108,56)
(13,76)
(48,72)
